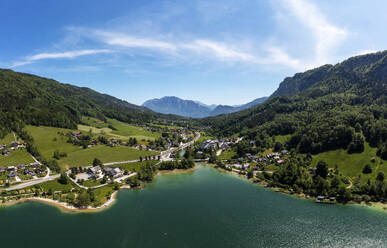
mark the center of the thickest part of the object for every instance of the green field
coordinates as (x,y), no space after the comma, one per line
(85,157)
(48,140)
(282,138)
(122,130)
(352,164)
(16,157)
(134,166)
(54,186)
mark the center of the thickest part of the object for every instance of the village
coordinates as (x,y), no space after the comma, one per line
(244,162)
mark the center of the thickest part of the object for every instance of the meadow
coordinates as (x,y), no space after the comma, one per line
(352,164)
(117,129)
(85,157)
(48,140)
(20,156)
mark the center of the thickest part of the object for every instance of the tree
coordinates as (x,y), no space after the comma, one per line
(380,177)
(83,200)
(97,162)
(367,169)
(322,169)
(63,179)
(278,146)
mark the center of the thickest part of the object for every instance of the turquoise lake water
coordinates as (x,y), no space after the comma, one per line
(204,208)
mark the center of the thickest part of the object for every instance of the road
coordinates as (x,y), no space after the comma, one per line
(165,155)
(32,183)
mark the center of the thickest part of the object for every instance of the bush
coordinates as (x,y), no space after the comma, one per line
(367,169)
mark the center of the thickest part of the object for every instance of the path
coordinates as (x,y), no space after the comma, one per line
(32,183)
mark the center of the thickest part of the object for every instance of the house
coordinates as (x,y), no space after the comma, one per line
(143,147)
(12,174)
(35,164)
(6,152)
(39,171)
(11,168)
(279,162)
(76,133)
(21,166)
(320,198)
(2,169)
(312,171)
(29,172)
(245,166)
(14,144)
(284,152)
(113,172)
(2,147)
(95,172)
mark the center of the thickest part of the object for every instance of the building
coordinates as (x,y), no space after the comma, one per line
(35,164)
(2,169)
(5,152)
(113,172)
(279,162)
(21,166)
(29,172)
(95,172)
(12,174)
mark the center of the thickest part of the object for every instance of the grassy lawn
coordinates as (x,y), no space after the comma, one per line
(85,157)
(352,164)
(54,186)
(134,166)
(102,193)
(48,140)
(227,155)
(16,157)
(92,183)
(127,130)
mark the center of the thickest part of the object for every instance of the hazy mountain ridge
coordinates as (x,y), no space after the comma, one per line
(194,109)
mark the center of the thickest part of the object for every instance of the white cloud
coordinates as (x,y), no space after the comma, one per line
(62,55)
(367,51)
(124,40)
(327,36)
(279,56)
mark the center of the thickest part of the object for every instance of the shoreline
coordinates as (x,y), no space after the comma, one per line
(67,208)
(63,206)
(379,206)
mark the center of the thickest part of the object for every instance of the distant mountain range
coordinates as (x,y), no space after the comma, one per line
(194,109)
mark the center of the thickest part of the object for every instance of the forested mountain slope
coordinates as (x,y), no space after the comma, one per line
(323,109)
(35,100)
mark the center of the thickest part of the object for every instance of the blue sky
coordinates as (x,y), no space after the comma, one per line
(214,51)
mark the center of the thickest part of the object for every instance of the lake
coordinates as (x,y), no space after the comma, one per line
(204,208)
